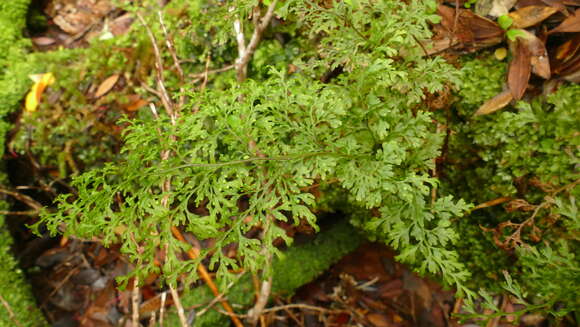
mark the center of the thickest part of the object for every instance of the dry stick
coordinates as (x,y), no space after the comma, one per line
(161,310)
(193,253)
(199,76)
(176,62)
(178,305)
(24,199)
(165,99)
(248,51)
(166,187)
(255,313)
(10,312)
(215,300)
(135,302)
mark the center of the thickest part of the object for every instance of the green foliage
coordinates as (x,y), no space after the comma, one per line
(13,287)
(16,294)
(264,143)
(298,265)
(527,152)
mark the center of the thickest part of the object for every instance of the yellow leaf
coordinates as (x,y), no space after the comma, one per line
(41,81)
(107,85)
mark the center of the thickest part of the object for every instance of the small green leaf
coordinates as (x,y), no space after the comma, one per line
(515,33)
(505,21)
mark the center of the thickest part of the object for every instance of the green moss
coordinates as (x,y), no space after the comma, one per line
(520,151)
(13,48)
(299,265)
(14,289)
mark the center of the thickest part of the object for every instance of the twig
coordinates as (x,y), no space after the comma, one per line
(193,253)
(135,302)
(199,76)
(10,312)
(165,99)
(215,300)
(246,52)
(23,198)
(204,83)
(162,309)
(19,213)
(255,313)
(176,62)
(178,305)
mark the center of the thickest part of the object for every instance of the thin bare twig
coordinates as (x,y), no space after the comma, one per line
(135,302)
(215,300)
(246,52)
(10,312)
(204,83)
(19,213)
(201,75)
(23,198)
(255,313)
(178,305)
(162,309)
(176,62)
(165,99)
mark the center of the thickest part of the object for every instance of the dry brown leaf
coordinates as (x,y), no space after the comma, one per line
(43,40)
(496,103)
(378,320)
(570,25)
(520,69)
(107,85)
(470,29)
(135,103)
(539,55)
(531,15)
(566,60)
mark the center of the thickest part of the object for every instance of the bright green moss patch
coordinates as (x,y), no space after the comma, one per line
(14,288)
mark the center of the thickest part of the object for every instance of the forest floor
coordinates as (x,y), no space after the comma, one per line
(74,281)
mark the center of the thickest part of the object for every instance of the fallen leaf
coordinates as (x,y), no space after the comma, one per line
(531,15)
(43,40)
(519,70)
(494,8)
(539,55)
(496,103)
(107,85)
(470,29)
(135,103)
(570,25)
(41,81)
(378,320)
(565,62)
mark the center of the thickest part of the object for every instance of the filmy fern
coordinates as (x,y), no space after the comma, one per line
(251,153)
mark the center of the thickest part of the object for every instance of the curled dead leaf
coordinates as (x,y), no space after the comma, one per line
(539,55)
(135,103)
(520,69)
(570,25)
(531,15)
(107,85)
(496,103)
(471,30)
